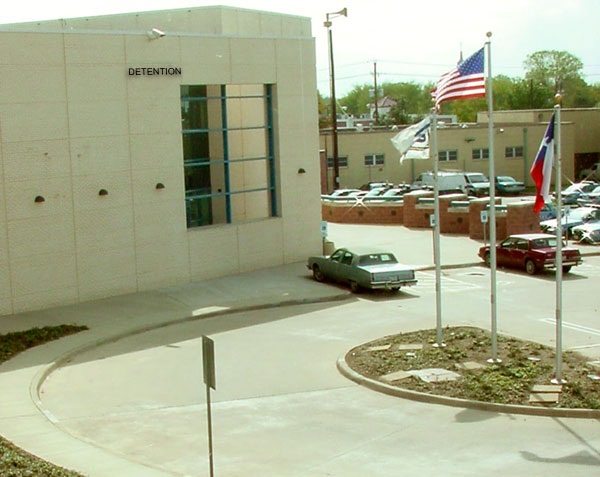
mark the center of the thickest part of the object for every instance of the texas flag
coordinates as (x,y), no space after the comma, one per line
(541,169)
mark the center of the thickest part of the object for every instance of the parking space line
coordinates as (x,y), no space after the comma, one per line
(573,326)
(448,284)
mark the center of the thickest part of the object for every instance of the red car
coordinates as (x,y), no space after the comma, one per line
(531,252)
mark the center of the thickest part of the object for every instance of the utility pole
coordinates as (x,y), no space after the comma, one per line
(375,94)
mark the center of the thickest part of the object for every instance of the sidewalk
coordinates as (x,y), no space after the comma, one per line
(22,419)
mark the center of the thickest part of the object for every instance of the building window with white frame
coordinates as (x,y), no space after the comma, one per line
(513,152)
(374,159)
(448,156)
(480,153)
(342,162)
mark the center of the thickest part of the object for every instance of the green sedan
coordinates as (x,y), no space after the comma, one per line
(372,270)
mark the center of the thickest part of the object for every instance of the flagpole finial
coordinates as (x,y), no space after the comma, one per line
(489,34)
(558,99)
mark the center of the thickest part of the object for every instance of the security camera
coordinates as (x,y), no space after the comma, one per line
(155,34)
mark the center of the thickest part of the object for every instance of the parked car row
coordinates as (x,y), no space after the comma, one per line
(380,191)
(371,269)
(570,219)
(578,191)
(472,183)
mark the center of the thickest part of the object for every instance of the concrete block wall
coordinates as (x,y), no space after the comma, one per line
(479,230)
(417,215)
(463,219)
(359,213)
(454,220)
(521,219)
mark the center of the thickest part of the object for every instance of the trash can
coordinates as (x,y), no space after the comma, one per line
(328,247)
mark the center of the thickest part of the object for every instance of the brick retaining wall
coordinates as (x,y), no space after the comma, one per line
(457,214)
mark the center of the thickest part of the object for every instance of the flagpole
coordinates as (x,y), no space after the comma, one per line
(492,207)
(436,233)
(558,379)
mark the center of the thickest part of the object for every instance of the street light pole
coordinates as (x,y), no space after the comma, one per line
(336,161)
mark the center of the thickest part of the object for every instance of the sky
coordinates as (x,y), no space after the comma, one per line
(414,41)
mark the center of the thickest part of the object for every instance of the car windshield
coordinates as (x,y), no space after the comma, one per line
(582,187)
(577,214)
(477,178)
(573,188)
(377,259)
(506,179)
(543,242)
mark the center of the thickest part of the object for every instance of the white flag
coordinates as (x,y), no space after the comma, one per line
(415,137)
(419,149)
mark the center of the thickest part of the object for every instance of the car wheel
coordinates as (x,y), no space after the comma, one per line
(566,268)
(486,259)
(354,287)
(530,267)
(395,289)
(318,274)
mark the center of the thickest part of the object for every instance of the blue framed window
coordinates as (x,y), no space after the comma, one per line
(228,153)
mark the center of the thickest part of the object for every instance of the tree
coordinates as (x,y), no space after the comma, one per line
(323,108)
(356,102)
(559,71)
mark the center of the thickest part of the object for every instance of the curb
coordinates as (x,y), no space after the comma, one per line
(378,386)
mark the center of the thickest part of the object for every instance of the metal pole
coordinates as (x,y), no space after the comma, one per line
(436,234)
(210,440)
(559,272)
(208,365)
(492,218)
(336,161)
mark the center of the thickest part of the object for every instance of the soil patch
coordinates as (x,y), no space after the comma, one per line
(525,368)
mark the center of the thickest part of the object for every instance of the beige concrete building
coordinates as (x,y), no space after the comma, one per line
(153,149)
(368,155)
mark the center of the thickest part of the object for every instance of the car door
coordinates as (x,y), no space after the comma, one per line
(346,271)
(331,268)
(503,252)
(519,253)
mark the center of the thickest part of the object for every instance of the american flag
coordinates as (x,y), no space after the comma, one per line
(466,81)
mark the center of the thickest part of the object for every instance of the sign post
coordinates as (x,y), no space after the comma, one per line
(484,221)
(208,364)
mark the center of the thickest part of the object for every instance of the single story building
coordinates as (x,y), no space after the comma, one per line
(367,154)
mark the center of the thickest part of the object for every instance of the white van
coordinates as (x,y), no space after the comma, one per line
(477,184)
(448,182)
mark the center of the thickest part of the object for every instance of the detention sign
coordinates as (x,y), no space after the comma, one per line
(155,71)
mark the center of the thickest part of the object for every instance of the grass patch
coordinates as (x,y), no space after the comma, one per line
(523,365)
(15,462)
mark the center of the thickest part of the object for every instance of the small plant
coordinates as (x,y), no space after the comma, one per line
(15,462)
